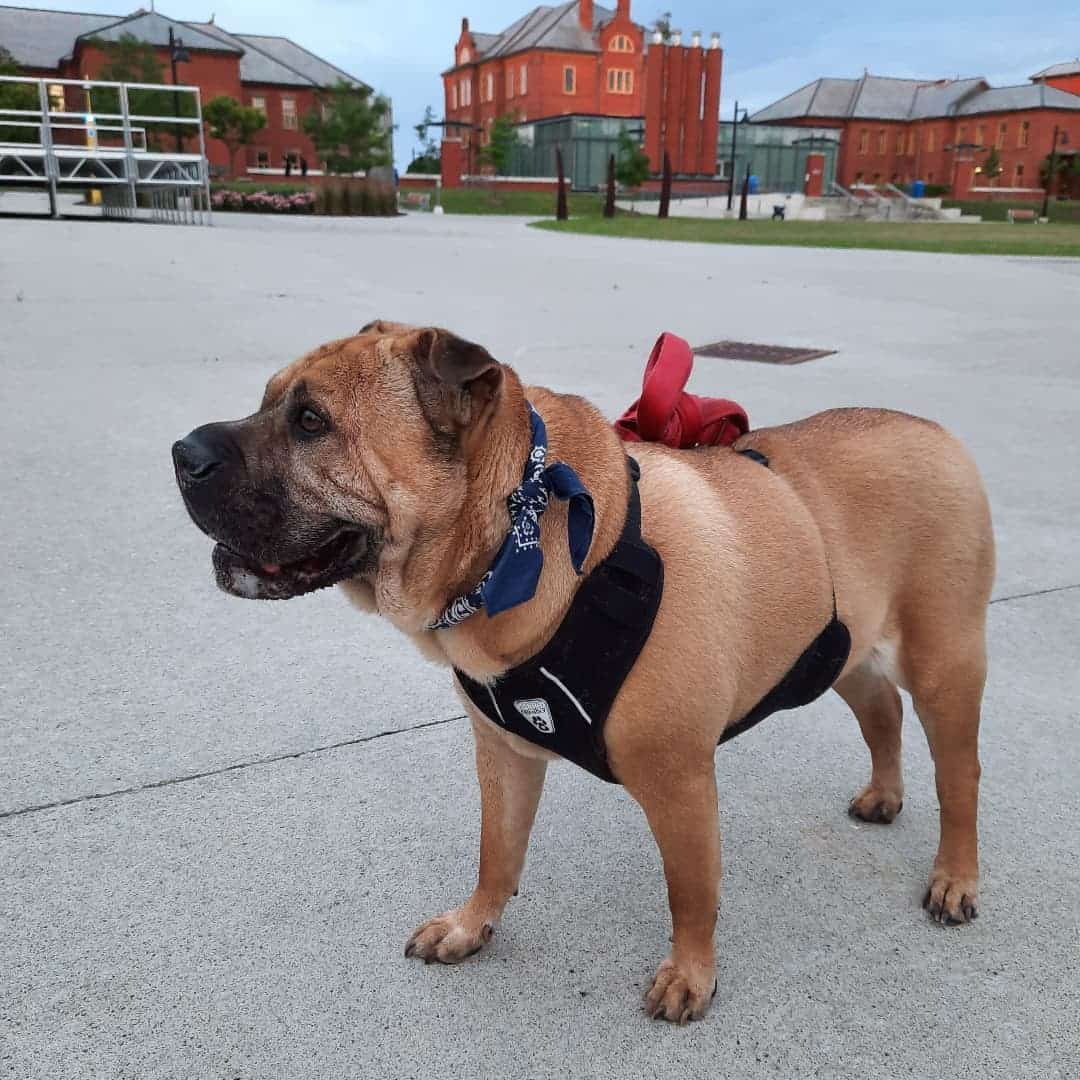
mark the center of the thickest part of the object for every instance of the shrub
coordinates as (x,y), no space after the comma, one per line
(263,202)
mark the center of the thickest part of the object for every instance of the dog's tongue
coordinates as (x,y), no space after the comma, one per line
(271,568)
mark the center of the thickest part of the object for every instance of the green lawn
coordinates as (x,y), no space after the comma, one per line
(992,239)
(1062,211)
(525,203)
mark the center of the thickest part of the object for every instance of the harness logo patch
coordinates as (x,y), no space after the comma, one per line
(538,713)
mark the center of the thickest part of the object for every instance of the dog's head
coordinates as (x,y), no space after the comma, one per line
(360,440)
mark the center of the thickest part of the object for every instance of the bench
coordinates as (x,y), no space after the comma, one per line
(1021,215)
(420,200)
(778,213)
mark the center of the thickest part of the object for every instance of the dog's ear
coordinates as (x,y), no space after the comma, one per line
(457,381)
(383,326)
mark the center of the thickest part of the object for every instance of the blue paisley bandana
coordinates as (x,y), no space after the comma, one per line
(515,573)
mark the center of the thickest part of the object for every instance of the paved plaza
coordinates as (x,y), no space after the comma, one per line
(220,821)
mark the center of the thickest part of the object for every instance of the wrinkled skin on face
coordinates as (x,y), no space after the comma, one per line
(354,455)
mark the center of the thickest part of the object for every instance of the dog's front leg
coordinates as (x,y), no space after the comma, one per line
(682,813)
(510,787)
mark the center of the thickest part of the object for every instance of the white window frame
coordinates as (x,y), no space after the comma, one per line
(524,79)
(290,118)
(509,82)
(573,78)
(453,97)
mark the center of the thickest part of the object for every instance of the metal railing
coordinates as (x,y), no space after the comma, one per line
(173,185)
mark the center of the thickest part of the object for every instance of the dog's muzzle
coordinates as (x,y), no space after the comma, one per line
(267,548)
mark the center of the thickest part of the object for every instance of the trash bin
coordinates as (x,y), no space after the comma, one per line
(755,185)
(918,189)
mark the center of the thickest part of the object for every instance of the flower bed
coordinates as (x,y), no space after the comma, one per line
(264,202)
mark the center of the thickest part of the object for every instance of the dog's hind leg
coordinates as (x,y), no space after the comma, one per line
(946,682)
(510,789)
(875,701)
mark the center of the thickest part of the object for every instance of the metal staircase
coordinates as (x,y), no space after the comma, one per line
(58,151)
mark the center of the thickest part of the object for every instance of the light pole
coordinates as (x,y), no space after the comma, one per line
(1051,173)
(177,55)
(734,140)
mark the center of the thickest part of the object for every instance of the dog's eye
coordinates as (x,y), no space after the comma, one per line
(310,422)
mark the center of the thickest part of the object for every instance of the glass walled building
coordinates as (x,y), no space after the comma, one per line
(777,155)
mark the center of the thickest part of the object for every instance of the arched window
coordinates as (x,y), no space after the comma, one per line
(621,43)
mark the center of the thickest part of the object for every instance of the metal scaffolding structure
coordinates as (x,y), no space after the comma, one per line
(50,148)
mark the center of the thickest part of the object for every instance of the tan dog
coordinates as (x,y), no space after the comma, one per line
(383,463)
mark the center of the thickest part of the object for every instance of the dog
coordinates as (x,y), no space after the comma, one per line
(383,464)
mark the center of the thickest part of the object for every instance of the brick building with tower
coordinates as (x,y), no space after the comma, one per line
(273,74)
(574,75)
(948,133)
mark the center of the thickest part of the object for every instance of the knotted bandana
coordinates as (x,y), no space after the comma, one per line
(515,573)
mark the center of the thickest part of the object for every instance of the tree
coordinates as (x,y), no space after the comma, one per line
(662,22)
(499,149)
(632,168)
(429,159)
(233,124)
(350,128)
(992,165)
(17,96)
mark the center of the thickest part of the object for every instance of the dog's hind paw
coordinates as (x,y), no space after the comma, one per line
(449,938)
(877,806)
(681,993)
(951,900)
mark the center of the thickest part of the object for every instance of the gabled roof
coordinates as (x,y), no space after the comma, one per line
(317,71)
(545,27)
(152,27)
(1015,98)
(40,39)
(1070,67)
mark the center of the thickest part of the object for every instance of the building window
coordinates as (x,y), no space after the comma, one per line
(1022,135)
(931,140)
(899,142)
(864,141)
(1002,132)
(509,82)
(466,55)
(523,82)
(453,97)
(293,158)
(881,145)
(859,177)
(259,103)
(262,158)
(569,80)
(913,143)
(466,93)
(930,177)
(961,134)
(288,114)
(489,87)
(621,43)
(980,134)
(56,98)
(620,81)
(1018,175)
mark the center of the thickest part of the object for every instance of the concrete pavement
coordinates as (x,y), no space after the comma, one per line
(236,901)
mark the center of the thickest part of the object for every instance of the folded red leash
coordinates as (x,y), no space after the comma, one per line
(666,414)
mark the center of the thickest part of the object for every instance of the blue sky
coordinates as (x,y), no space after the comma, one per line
(400,46)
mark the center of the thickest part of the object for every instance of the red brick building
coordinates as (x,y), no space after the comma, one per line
(273,74)
(582,60)
(941,132)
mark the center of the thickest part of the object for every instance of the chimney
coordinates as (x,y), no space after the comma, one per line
(585,15)
(676,38)
(714,42)
(622,9)
(465,25)
(695,40)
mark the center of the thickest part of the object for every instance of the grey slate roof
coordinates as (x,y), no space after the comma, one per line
(1027,96)
(545,27)
(154,28)
(317,71)
(876,98)
(39,39)
(1070,67)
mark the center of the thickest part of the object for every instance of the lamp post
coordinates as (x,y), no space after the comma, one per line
(177,55)
(1050,173)
(734,140)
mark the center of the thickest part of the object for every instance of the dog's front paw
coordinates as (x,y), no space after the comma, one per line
(681,992)
(952,899)
(449,938)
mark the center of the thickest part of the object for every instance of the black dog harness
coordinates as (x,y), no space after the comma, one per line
(561,698)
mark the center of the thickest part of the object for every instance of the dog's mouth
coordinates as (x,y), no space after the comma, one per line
(348,553)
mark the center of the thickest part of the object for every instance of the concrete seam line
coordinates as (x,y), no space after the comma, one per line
(187,777)
(1037,592)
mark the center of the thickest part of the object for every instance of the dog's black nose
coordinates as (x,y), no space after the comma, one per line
(200,454)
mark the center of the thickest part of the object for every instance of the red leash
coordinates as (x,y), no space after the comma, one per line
(666,414)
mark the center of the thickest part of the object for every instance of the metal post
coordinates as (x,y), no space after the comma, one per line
(176,96)
(47,147)
(129,151)
(731,171)
(204,163)
(1050,175)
